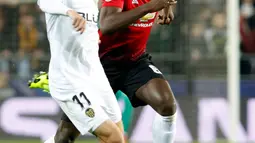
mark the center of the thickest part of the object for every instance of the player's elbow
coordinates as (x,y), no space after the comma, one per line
(106,26)
(105,29)
(40,5)
(43,4)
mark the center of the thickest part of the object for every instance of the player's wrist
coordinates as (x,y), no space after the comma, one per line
(69,12)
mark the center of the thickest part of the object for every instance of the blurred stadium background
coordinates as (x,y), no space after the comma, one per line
(191,52)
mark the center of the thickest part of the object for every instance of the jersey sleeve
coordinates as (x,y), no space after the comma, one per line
(113,3)
(53,6)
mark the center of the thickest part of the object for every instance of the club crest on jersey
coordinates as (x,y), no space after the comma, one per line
(90,112)
(135,2)
(148,17)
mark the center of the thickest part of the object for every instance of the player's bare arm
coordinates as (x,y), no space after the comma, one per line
(112,18)
(165,16)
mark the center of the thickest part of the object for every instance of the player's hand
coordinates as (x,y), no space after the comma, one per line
(78,21)
(157,5)
(165,16)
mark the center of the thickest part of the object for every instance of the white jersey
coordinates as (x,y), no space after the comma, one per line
(76,77)
(69,48)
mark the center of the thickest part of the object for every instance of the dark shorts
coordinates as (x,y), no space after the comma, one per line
(130,76)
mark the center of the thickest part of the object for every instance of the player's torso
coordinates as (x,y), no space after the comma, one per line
(60,24)
(130,41)
(68,47)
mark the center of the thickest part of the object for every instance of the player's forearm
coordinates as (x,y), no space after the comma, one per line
(53,6)
(115,21)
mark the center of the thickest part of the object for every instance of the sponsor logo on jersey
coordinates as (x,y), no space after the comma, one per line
(142,24)
(90,112)
(144,21)
(89,17)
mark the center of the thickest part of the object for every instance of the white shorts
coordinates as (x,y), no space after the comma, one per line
(84,94)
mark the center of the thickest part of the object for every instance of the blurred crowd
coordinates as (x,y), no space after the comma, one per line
(247,26)
(24,47)
(23,42)
(207,36)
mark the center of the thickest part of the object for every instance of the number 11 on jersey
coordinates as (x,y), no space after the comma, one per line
(82,95)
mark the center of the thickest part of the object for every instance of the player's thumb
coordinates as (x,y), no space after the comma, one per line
(168,20)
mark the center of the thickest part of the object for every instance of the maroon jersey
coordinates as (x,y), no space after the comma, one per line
(127,43)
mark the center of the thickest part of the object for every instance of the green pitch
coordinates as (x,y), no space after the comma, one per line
(80,141)
(36,141)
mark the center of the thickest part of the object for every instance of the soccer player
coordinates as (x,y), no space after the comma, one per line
(76,77)
(125,26)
